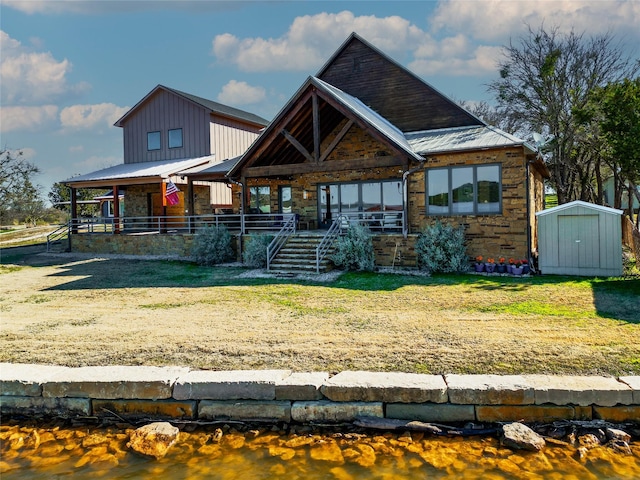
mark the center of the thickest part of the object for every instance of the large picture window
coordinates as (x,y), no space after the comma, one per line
(471,190)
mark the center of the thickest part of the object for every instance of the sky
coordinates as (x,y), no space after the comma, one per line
(70,69)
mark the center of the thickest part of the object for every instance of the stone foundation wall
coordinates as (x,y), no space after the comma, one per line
(145,244)
(316,397)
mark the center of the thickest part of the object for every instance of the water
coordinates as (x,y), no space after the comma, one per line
(56,452)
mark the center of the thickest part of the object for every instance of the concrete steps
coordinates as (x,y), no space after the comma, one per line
(298,255)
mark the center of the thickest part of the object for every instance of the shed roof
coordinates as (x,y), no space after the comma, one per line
(137,173)
(579,203)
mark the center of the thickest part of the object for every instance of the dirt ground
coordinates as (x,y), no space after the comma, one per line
(76,311)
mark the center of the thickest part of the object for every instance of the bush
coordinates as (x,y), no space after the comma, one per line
(255,252)
(441,249)
(212,246)
(354,251)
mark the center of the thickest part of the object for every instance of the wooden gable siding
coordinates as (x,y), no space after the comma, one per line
(162,112)
(393,92)
(230,138)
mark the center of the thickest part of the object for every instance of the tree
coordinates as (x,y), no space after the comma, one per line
(543,80)
(60,193)
(19,199)
(613,114)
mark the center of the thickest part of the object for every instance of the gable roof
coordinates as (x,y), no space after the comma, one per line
(210,105)
(360,69)
(579,203)
(297,115)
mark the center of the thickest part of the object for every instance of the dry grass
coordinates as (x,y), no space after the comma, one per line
(61,310)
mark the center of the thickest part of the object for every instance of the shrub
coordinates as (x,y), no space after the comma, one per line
(354,251)
(255,252)
(441,248)
(212,245)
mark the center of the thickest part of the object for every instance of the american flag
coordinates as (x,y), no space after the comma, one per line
(171,194)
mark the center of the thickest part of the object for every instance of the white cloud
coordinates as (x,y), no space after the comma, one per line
(479,61)
(497,20)
(32,77)
(91,116)
(28,118)
(311,39)
(241,93)
(76,148)
(95,162)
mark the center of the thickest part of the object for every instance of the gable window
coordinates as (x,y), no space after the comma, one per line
(472,190)
(175,138)
(153,140)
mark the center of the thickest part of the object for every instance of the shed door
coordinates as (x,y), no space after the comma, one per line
(578,241)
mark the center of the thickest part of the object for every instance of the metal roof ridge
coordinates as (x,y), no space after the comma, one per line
(579,203)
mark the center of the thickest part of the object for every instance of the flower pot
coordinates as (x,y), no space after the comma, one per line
(501,268)
(525,269)
(516,270)
(509,268)
(489,267)
(479,267)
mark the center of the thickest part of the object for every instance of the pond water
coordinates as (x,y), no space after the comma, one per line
(57,452)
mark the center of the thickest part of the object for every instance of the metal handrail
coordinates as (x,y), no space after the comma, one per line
(325,244)
(58,234)
(280,239)
(174,224)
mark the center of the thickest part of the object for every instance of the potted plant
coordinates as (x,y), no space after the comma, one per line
(479,266)
(525,266)
(490,266)
(501,267)
(512,262)
(517,267)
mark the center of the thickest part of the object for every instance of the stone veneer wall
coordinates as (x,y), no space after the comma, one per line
(137,199)
(153,244)
(495,236)
(315,397)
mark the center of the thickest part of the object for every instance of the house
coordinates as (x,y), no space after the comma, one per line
(368,140)
(165,133)
(364,140)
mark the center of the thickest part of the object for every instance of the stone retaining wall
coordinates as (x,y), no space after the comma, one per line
(314,397)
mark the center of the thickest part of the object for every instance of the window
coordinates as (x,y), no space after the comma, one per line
(153,141)
(259,200)
(175,138)
(472,190)
(285,199)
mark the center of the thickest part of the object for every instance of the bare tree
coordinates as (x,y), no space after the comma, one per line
(543,80)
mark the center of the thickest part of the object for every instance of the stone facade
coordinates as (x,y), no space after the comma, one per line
(138,201)
(507,234)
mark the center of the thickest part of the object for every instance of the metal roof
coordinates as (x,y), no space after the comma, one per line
(221,108)
(213,107)
(461,138)
(579,203)
(372,117)
(161,169)
(214,172)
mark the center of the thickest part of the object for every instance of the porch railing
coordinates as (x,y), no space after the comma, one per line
(280,239)
(340,223)
(235,223)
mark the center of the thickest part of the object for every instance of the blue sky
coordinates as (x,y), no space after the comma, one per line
(70,69)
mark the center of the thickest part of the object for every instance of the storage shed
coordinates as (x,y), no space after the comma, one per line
(580,238)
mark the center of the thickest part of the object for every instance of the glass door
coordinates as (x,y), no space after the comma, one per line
(329,205)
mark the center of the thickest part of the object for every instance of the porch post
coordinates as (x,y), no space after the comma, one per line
(74,210)
(116,210)
(191,203)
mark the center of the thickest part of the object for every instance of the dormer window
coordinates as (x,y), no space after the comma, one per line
(153,141)
(175,138)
